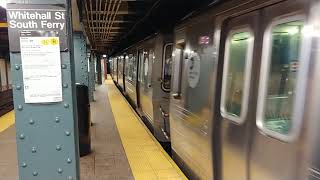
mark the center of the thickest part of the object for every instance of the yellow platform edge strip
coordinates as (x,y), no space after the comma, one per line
(7,120)
(3,25)
(122,110)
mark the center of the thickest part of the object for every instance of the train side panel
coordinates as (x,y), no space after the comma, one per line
(191,101)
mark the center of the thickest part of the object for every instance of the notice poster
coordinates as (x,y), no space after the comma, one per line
(41,66)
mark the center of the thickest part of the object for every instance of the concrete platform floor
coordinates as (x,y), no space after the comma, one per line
(107,161)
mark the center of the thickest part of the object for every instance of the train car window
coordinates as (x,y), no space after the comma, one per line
(236,75)
(167,67)
(281,80)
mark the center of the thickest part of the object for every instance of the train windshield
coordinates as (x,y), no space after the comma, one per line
(236,57)
(282,77)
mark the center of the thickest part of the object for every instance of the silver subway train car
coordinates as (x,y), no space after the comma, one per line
(234,89)
(146,86)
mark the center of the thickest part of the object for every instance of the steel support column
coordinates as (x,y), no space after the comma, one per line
(99,70)
(91,77)
(47,133)
(81,61)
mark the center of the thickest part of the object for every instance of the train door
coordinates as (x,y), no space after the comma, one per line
(116,73)
(237,107)
(139,76)
(124,72)
(146,84)
(276,141)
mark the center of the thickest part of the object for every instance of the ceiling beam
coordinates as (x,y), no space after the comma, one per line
(115,21)
(114,28)
(121,12)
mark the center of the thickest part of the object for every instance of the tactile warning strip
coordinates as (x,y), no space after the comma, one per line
(7,120)
(146,157)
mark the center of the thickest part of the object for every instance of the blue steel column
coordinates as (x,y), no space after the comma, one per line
(91,77)
(99,70)
(95,68)
(80,56)
(47,134)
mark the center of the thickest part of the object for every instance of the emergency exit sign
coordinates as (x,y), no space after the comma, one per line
(39,18)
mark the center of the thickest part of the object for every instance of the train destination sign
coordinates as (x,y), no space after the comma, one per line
(36,18)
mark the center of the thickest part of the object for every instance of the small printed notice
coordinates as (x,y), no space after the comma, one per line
(41,66)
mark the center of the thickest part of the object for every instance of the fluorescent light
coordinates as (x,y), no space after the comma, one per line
(293,30)
(3,3)
(104,55)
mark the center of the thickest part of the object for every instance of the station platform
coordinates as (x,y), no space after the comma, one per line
(122,146)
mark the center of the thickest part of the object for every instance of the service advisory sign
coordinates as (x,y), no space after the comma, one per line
(41,68)
(38,32)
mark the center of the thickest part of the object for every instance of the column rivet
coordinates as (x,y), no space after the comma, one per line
(66,105)
(20,107)
(35,173)
(67,133)
(22,136)
(65,85)
(63,66)
(18,87)
(31,121)
(17,66)
(57,120)
(33,150)
(60,170)
(24,165)
(69,161)
(58,148)
(70,178)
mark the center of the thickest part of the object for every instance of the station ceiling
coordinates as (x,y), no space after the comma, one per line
(106,21)
(112,25)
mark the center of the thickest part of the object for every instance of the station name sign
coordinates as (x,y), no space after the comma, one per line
(40,18)
(36,20)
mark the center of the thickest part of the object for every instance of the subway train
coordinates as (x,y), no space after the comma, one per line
(233,90)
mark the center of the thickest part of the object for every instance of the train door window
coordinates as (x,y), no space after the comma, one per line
(134,68)
(177,60)
(141,64)
(167,67)
(150,63)
(236,75)
(278,86)
(128,67)
(145,67)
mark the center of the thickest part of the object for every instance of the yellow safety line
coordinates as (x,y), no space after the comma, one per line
(7,120)
(147,159)
(3,25)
